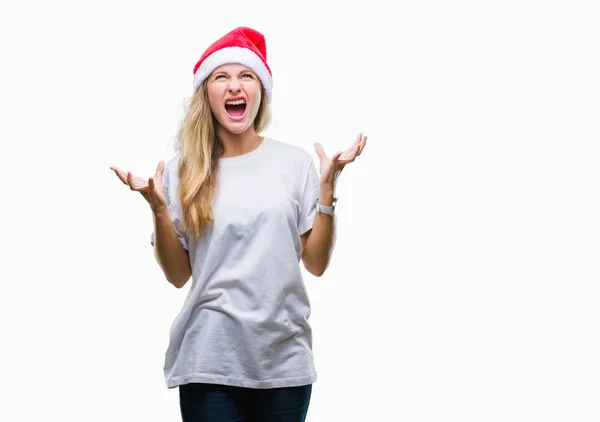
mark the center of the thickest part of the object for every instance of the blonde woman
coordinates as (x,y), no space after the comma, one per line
(235,212)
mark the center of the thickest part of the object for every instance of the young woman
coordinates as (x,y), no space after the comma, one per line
(236,212)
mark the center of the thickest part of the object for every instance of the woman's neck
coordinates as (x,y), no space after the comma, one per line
(238,144)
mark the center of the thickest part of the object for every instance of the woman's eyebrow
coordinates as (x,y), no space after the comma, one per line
(223,72)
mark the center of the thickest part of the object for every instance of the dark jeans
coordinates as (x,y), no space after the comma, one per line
(200,402)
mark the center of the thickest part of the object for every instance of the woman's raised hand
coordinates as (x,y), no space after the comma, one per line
(152,189)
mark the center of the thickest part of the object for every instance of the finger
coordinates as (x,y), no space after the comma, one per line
(130,180)
(120,174)
(359,149)
(336,158)
(337,164)
(350,156)
(152,184)
(320,151)
(160,168)
(356,145)
(362,146)
(120,177)
(150,188)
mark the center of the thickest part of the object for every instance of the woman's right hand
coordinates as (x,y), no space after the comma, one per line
(152,189)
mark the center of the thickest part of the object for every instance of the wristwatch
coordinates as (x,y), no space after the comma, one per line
(327,210)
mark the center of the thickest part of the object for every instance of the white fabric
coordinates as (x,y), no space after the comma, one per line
(244,321)
(239,55)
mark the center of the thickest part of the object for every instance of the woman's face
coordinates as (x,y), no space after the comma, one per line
(234,94)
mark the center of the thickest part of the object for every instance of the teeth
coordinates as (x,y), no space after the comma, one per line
(237,102)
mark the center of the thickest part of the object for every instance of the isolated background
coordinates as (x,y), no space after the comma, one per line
(465,281)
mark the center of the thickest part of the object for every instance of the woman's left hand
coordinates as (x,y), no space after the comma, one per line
(332,167)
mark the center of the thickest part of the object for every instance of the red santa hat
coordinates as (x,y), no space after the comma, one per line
(242,45)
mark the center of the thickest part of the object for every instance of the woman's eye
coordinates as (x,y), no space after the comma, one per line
(219,76)
(248,75)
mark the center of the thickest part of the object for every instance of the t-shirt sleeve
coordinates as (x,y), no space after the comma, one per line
(308,202)
(174,207)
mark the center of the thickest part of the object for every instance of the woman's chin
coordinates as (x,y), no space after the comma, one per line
(237,127)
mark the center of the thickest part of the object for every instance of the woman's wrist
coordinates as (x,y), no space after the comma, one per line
(326,195)
(161,213)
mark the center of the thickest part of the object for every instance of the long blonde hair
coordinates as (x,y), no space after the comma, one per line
(199,151)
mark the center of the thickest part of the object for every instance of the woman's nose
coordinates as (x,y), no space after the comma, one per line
(234,85)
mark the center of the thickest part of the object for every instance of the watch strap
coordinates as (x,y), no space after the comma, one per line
(324,209)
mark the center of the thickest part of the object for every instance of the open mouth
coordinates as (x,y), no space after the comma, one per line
(235,108)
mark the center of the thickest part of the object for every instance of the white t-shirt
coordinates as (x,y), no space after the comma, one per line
(245,320)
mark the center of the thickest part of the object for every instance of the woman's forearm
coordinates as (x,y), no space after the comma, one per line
(321,240)
(169,252)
